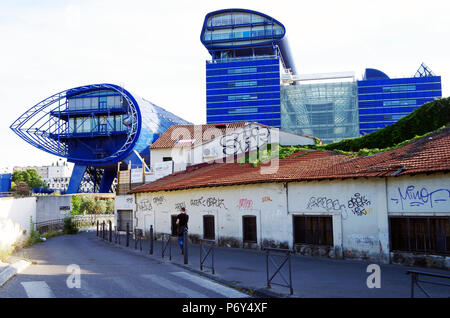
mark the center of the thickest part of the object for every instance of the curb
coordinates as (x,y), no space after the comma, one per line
(261,293)
(13,269)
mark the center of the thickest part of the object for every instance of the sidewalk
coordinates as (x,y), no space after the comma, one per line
(312,277)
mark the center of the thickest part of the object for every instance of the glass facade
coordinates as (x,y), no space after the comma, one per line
(384,101)
(243,90)
(328,111)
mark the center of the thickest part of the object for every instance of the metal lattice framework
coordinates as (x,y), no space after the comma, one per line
(42,125)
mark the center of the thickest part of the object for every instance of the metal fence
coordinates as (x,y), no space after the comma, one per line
(415,281)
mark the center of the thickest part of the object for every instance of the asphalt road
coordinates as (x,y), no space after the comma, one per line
(104,273)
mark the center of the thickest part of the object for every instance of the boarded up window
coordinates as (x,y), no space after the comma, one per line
(208,227)
(249,229)
(314,230)
(420,234)
(124,217)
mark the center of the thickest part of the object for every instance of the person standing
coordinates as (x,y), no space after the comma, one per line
(182,222)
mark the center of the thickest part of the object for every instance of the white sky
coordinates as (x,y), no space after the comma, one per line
(153,49)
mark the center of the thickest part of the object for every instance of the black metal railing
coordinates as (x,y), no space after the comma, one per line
(286,259)
(206,249)
(166,242)
(56,224)
(416,282)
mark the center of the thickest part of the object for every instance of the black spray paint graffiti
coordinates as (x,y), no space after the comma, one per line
(208,202)
(180,205)
(145,206)
(159,200)
(325,203)
(244,141)
(358,203)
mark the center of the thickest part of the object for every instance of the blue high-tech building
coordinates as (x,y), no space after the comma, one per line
(95,127)
(248,50)
(382,100)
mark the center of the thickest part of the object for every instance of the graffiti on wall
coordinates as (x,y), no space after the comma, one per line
(180,205)
(159,200)
(266,199)
(325,203)
(240,142)
(245,204)
(358,204)
(208,202)
(413,196)
(144,206)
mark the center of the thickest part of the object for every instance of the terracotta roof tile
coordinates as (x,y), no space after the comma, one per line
(428,154)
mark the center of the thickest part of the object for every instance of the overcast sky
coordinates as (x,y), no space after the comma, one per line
(153,49)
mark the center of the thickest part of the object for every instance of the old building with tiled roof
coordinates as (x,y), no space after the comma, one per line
(392,206)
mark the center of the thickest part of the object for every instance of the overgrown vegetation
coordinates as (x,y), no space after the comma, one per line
(22,182)
(34,236)
(91,205)
(69,227)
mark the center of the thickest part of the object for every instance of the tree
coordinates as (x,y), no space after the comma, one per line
(100,207)
(87,204)
(110,206)
(76,204)
(30,177)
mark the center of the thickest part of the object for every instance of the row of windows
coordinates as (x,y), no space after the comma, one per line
(244,117)
(252,83)
(374,125)
(248,62)
(242,33)
(235,18)
(399,88)
(395,81)
(437,94)
(243,77)
(101,124)
(222,98)
(394,102)
(259,102)
(244,70)
(101,102)
(387,110)
(391,117)
(235,110)
(259,89)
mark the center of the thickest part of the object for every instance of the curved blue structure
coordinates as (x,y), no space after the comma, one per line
(249,50)
(95,127)
(373,74)
(240,29)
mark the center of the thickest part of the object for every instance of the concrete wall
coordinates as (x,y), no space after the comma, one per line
(15,217)
(52,207)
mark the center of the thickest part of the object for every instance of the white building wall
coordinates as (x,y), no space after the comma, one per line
(228,204)
(358,208)
(416,195)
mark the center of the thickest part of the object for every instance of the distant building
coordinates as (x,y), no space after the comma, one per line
(383,100)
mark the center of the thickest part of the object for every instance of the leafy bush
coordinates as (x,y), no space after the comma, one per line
(69,227)
(34,236)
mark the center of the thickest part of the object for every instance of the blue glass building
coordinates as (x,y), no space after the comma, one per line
(382,100)
(248,50)
(95,127)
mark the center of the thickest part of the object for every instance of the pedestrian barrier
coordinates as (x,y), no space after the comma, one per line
(286,258)
(166,242)
(46,226)
(415,281)
(116,235)
(151,240)
(185,246)
(209,250)
(110,231)
(138,238)
(128,235)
